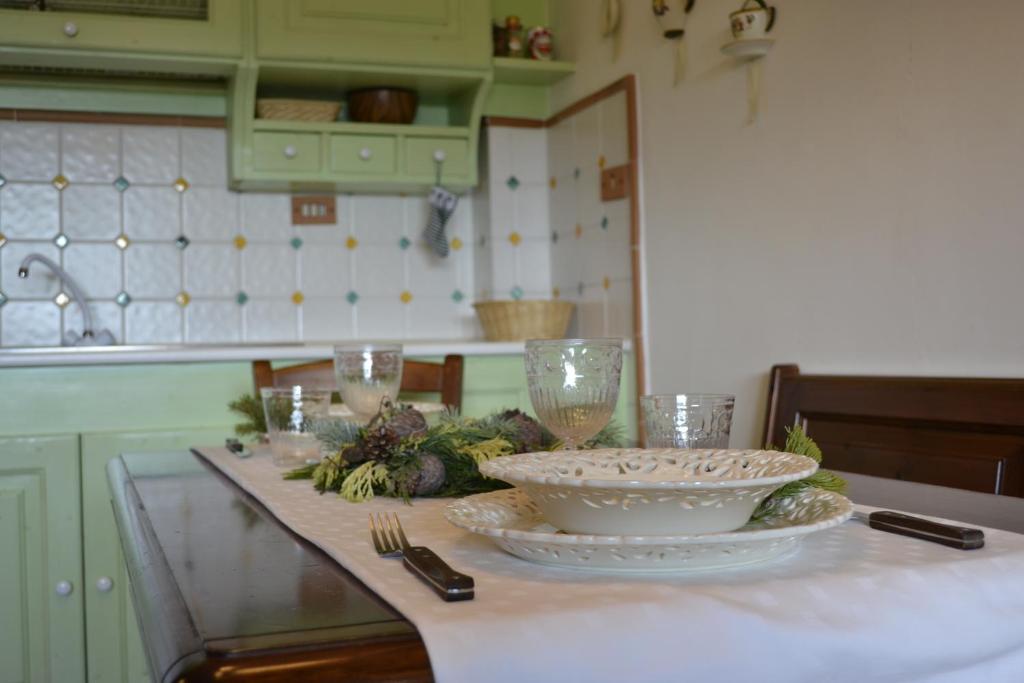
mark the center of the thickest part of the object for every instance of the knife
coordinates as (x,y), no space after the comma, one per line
(962,538)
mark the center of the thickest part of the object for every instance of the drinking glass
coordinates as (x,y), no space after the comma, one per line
(366,374)
(574,384)
(687,420)
(291,414)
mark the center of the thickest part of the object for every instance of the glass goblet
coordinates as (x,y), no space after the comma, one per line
(574,385)
(687,420)
(366,374)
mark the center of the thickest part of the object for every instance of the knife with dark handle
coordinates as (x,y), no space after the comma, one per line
(450,584)
(962,538)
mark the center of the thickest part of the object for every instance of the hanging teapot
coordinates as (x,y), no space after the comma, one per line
(752,21)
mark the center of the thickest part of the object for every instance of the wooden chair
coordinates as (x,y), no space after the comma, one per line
(959,432)
(417,377)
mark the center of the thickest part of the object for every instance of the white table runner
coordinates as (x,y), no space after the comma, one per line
(854,604)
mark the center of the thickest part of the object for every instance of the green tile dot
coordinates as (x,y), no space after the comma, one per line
(457,296)
(512,182)
(123,299)
(351,297)
(404,243)
(241,298)
(517,292)
(296,242)
(121,184)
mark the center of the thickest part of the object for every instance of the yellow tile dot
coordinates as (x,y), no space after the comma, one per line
(556,293)
(456,243)
(579,231)
(351,243)
(3,239)
(297,298)
(606,283)
(122,241)
(601,161)
(183,298)
(60,182)
(515,239)
(240,242)
(181,185)
(406,296)
(553,182)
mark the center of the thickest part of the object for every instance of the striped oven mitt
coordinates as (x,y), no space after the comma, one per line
(442,206)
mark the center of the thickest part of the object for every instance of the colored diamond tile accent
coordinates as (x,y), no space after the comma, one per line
(604,222)
(579,231)
(553,182)
(601,161)
(183,299)
(576,173)
(458,296)
(296,242)
(405,296)
(512,182)
(606,283)
(61,240)
(456,243)
(241,298)
(3,239)
(516,292)
(297,298)
(239,242)
(554,237)
(122,241)
(62,299)
(351,297)
(3,298)
(351,242)
(3,181)
(60,182)
(182,242)
(181,185)
(404,243)
(121,183)
(515,238)
(556,293)
(123,299)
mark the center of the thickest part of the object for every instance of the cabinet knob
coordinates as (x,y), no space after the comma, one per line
(70,29)
(290,152)
(104,584)
(439,155)
(365,153)
(64,588)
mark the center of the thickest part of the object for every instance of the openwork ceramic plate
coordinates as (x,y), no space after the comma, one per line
(518,526)
(662,491)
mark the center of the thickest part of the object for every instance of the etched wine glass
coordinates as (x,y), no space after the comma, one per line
(574,385)
(366,374)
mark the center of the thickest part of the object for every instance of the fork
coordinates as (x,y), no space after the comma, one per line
(391,542)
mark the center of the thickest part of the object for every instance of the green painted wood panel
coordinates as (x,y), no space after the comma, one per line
(444,33)
(114,650)
(41,633)
(219,36)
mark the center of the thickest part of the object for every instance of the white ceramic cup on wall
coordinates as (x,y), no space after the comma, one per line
(752,21)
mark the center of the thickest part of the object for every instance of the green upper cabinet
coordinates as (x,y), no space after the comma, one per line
(213,30)
(440,33)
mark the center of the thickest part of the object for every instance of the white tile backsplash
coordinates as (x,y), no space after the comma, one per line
(152,213)
(266,216)
(204,158)
(152,271)
(148,322)
(325,271)
(97,264)
(91,211)
(106,315)
(29,151)
(29,323)
(211,270)
(210,213)
(213,322)
(269,270)
(41,283)
(150,154)
(29,211)
(271,320)
(90,153)
(327,319)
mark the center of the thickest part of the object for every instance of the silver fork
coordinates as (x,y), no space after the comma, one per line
(389,540)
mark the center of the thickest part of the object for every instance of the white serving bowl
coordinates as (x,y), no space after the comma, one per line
(649,491)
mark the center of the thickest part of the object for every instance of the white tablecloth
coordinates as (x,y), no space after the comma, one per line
(854,604)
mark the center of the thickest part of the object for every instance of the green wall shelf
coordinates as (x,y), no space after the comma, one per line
(518,71)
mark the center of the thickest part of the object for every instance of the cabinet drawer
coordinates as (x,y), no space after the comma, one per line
(296,152)
(362,154)
(419,157)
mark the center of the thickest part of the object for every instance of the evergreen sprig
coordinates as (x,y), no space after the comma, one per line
(798,442)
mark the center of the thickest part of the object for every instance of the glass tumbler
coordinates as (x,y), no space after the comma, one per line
(291,415)
(366,374)
(574,385)
(687,420)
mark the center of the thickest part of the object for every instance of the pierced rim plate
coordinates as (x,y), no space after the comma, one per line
(517,526)
(652,468)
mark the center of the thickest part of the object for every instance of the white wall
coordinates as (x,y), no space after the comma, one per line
(869,222)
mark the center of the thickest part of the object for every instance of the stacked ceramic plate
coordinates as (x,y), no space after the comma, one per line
(648,509)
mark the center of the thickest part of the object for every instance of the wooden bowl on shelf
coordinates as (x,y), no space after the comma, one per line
(382,105)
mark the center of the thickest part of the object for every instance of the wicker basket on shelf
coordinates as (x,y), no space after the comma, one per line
(297,110)
(518,320)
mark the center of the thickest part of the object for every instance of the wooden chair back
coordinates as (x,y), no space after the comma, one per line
(417,377)
(957,432)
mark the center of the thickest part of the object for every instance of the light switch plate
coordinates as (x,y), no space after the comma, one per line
(615,183)
(310,210)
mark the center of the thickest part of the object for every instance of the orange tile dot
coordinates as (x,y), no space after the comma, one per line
(351,242)
(515,238)
(240,242)
(601,161)
(606,283)
(579,231)
(406,296)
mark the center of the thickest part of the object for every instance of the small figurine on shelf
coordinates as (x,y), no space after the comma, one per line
(500,36)
(540,42)
(514,30)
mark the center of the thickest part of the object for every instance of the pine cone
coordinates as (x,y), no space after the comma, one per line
(529,433)
(407,422)
(431,476)
(379,442)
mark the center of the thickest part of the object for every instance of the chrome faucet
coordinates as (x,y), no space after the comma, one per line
(88,336)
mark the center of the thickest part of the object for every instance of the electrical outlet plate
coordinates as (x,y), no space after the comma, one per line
(615,183)
(314,210)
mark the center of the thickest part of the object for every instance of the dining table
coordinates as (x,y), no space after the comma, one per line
(224,590)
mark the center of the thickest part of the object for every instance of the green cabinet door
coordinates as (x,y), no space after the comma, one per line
(448,33)
(115,652)
(219,34)
(41,634)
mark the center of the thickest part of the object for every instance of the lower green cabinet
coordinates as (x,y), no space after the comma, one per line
(41,597)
